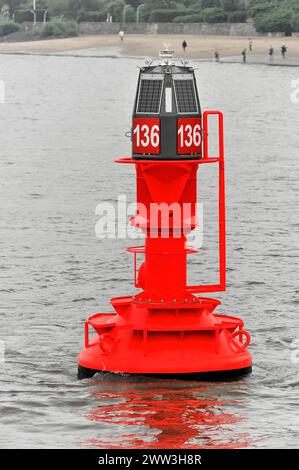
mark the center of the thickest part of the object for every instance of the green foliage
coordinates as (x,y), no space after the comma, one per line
(26,15)
(13,5)
(194,18)
(39,4)
(163,16)
(115,9)
(89,5)
(8,27)
(130,15)
(84,15)
(214,15)
(209,4)
(269,15)
(295,23)
(260,8)
(195,6)
(160,4)
(58,28)
(274,21)
(230,5)
(238,16)
(135,3)
(57,7)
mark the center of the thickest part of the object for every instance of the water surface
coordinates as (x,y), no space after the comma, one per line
(61,127)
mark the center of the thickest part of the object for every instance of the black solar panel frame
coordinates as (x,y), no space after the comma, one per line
(186,96)
(149,96)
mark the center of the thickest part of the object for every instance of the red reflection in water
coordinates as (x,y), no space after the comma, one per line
(144,415)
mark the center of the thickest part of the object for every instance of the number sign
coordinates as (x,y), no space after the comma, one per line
(189,136)
(146,136)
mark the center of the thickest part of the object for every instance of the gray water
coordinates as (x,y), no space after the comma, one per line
(61,127)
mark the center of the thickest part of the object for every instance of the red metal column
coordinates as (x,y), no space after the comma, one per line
(165,268)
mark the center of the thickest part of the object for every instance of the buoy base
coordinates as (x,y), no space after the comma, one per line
(84,373)
(182,340)
(217,376)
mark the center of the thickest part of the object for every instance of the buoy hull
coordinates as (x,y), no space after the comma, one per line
(188,339)
(217,376)
(165,329)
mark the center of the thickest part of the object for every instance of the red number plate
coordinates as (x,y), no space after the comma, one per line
(146,136)
(189,136)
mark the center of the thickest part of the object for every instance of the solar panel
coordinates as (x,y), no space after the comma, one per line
(185,96)
(149,96)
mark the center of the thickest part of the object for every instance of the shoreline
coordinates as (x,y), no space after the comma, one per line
(224,61)
(201,48)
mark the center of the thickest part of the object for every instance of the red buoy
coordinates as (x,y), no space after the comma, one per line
(169,328)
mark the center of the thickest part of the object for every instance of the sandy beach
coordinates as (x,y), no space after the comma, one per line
(136,45)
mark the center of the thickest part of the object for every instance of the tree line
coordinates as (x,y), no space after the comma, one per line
(267,15)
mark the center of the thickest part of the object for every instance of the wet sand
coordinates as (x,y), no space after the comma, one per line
(136,45)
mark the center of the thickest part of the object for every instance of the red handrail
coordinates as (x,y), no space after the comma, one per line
(221,205)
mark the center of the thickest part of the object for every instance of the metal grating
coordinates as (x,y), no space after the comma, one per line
(185,96)
(149,96)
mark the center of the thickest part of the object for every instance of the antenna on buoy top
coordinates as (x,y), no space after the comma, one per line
(166,54)
(148,61)
(168,327)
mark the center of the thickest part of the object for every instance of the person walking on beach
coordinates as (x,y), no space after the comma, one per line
(121,35)
(184,45)
(244,54)
(217,56)
(271,53)
(250,45)
(284,51)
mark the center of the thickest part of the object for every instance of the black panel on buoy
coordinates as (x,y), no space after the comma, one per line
(167,114)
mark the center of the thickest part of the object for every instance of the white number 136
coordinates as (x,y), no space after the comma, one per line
(146,135)
(189,135)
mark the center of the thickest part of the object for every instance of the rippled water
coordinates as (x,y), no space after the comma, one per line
(61,127)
